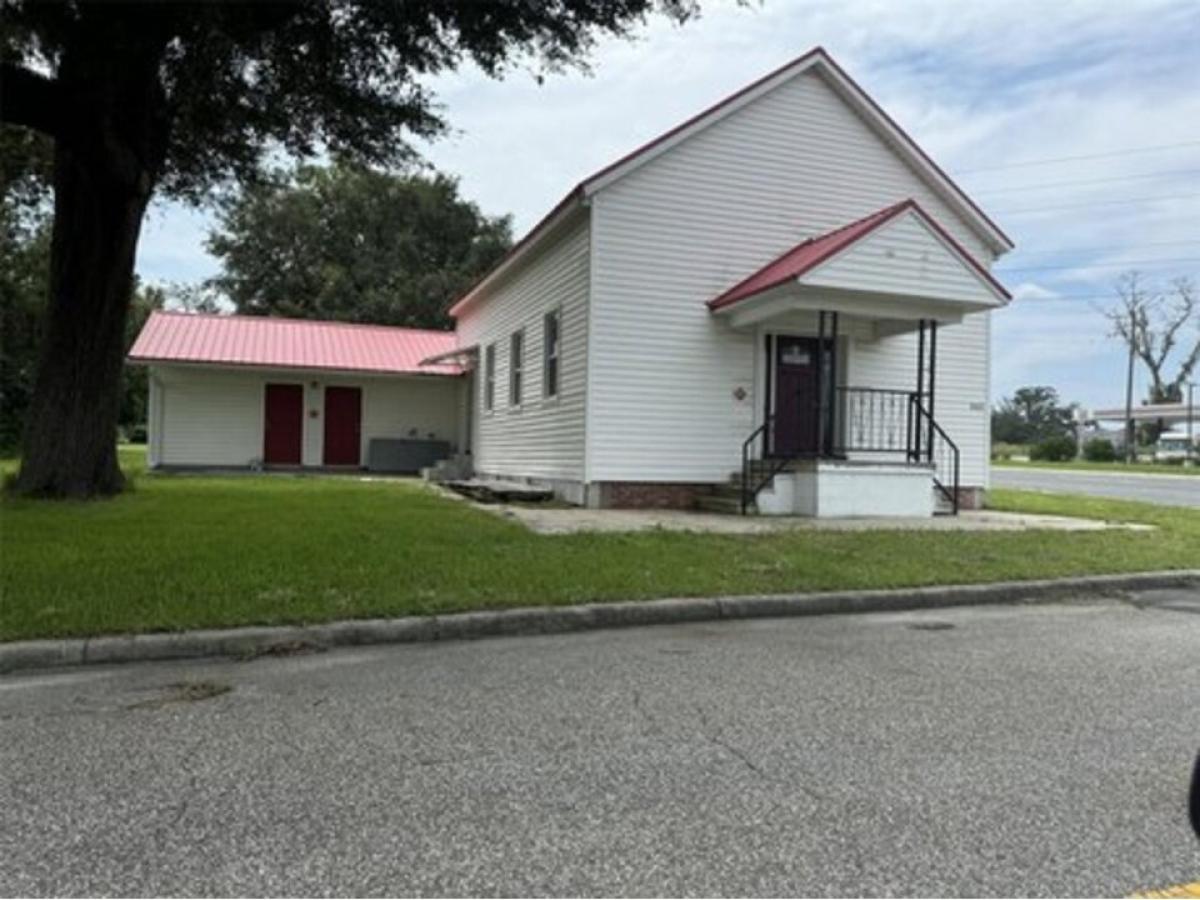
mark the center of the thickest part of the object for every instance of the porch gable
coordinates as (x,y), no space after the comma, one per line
(898,251)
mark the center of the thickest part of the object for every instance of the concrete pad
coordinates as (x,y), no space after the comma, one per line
(574,520)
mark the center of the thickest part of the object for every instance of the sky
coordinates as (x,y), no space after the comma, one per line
(1075,125)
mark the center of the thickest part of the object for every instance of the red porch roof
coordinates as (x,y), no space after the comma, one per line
(809,254)
(290,344)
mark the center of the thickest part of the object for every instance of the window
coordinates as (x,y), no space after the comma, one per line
(550,352)
(489,378)
(516,367)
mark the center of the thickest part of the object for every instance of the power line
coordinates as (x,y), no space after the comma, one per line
(1046,185)
(1060,297)
(1125,262)
(1129,151)
(1037,209)
(1086,249)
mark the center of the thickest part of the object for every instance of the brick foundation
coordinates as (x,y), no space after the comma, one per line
(971,497)
(650,494)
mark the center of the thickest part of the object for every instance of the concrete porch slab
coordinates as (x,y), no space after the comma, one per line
(573,520)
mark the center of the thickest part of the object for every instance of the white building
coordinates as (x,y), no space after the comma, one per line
(782,301)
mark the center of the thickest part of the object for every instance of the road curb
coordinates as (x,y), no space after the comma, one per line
(266,640)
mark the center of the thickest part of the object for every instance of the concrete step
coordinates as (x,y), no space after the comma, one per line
(724,504)
(730,489)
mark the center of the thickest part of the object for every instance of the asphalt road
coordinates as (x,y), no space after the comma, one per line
(989,751)
(1173,490)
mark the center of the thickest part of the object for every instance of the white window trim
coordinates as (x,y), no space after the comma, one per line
(547,397)
(489,379)
(516,371)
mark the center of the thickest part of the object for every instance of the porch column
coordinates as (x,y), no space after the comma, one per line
(932,376)
(833,382)
(820,448)
(916,424)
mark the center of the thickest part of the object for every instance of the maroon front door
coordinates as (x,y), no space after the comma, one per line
(284,424)
(343,425)
(795,432)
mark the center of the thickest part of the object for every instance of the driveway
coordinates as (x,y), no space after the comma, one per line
(986,751)
(1173,490)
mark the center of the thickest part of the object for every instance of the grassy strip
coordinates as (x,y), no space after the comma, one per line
(202,551)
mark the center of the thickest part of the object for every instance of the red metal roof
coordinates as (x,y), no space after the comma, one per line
(290,344)
(809,254)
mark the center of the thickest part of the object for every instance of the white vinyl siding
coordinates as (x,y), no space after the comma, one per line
(960,383)
(904,257)
(206,416)
(210,417)
(546,439)
(694,221)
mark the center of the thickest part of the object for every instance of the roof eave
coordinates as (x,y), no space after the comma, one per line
(556,217)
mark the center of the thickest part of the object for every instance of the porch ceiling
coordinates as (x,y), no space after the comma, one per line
(895,313)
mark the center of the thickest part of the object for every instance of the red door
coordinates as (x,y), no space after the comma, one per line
(284,424)
(796,395)
(343,425)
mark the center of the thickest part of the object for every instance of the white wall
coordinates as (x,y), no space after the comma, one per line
(961,404)
(544,437)
(206,416)
(697,219)
(906,257)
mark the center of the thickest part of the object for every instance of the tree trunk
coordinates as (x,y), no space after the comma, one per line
(110,146)
(69,449)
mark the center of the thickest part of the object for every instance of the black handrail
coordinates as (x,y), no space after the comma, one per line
(876,420)
(947,465)
(748,492)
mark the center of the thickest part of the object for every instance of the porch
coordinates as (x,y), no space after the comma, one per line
(846,327)
(826,444)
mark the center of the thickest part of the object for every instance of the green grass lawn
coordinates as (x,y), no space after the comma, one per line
(190,551)
(1080,465)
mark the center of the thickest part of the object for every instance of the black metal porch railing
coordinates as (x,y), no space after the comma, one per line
(873,420)
(758,472)
(934,446)
(869,421)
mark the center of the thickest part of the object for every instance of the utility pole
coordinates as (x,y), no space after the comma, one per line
(1130,438)
(1191,454)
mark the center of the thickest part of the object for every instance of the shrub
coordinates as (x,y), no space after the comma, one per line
(1055,449)
(1002,450)
(137,434)
(1099,450)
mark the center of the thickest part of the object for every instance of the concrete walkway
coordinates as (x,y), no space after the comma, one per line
(554,520)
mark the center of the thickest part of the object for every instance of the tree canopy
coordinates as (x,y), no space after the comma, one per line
(1031,415)
(1160,326)
(349,243)
(144,96)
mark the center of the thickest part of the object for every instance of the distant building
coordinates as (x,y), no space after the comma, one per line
(1170,414)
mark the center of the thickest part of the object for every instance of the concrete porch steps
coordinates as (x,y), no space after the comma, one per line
(725,499)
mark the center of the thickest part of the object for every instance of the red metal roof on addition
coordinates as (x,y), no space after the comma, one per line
(290,344)
(809,254)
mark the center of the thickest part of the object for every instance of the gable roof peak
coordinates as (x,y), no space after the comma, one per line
(845,87)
